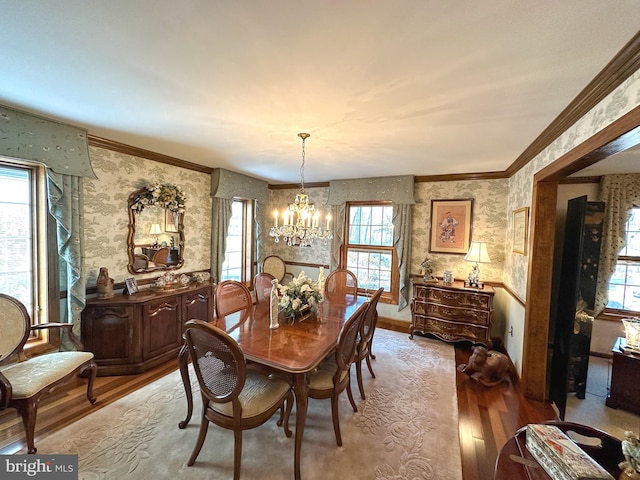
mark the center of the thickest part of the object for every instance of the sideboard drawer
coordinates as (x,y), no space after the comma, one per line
(457,298)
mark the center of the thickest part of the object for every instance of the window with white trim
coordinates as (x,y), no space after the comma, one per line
(624,285)
(368,248)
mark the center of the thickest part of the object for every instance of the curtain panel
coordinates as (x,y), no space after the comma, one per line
(620,193)
(225,186)
(64,151)
(397,189)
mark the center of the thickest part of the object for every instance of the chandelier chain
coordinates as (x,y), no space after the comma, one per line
(304,137)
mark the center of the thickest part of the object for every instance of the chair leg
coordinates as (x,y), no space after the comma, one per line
(359,378)
(237,453)
(204,428)
(91,370)
(369,357)
(336,419)
(350,395)
(28,409)
(285,413)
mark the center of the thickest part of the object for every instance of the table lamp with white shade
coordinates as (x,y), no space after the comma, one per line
(155,231)
(477,253)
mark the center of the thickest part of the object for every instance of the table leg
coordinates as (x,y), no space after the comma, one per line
(183,360)
(301,390)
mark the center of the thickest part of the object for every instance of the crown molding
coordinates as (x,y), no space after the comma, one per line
(100,142)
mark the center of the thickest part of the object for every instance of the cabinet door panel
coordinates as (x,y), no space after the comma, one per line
(110,333)
(163,326)
(197,305)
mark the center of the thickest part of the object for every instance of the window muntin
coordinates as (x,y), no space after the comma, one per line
(624,285)
(238,257)
(369,251)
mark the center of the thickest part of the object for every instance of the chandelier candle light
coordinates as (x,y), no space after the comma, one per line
(300,225)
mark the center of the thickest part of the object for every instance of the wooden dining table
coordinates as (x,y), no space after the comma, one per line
(294,348)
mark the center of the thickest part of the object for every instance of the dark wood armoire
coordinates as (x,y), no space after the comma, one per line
(575,301)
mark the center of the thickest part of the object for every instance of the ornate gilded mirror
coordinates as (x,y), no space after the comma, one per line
(156,229)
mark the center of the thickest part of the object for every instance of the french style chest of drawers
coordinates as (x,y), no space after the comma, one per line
(452,312)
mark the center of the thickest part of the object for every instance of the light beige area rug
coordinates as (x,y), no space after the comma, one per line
(407,428)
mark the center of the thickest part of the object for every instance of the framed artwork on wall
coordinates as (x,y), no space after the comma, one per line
(520,230)
(171,221)
(451,226)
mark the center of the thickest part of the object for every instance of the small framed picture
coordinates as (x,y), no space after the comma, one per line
(171,221)
(520,230)
(451,225)
(131,286)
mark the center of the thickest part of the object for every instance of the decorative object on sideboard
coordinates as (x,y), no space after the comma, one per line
(427,268)
(199,277)
(478,254)
(487,367)
(130,286)
(104,284)
(301,220)
(447,277)
(171,281)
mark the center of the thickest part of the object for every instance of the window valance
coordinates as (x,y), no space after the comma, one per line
(62,148)
(398,189)
(228,184)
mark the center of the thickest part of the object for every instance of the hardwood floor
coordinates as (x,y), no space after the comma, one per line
(487,416)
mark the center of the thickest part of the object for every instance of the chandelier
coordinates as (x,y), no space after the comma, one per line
(300,220)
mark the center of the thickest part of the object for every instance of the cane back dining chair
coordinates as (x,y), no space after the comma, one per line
(341,282)
(24,380)
(161,256)
(231,296)
(274,265)
(233,397)
(365,339)
(332,376)
(262,286)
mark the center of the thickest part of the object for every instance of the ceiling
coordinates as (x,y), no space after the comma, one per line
(422,87)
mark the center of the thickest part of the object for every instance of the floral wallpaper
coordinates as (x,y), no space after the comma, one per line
(489,224)
(619,102)
(106,218)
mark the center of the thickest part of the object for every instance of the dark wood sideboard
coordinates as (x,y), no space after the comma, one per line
(452,312)
(624,391)
(129,334)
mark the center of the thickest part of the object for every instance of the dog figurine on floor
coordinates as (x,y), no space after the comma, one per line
(487,367)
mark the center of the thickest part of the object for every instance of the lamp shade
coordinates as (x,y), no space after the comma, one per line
(155,229)
(478,253)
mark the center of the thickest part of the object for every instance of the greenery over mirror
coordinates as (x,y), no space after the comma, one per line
(156,229)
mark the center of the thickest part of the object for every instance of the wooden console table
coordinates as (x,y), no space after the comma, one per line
(129,334)
(624,391)
(452,312)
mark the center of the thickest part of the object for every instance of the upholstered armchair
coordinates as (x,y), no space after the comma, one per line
(24,380)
